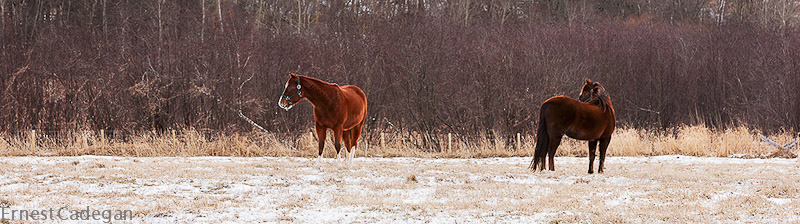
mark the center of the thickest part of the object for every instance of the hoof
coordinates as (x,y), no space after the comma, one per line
(591,171)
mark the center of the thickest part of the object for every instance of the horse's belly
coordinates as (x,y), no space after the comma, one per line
(353,122)
(584,134)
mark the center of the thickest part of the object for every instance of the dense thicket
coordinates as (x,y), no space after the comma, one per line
(427,66)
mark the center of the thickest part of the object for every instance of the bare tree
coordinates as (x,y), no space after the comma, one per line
(470,67)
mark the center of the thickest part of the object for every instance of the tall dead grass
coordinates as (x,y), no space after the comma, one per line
(686,140)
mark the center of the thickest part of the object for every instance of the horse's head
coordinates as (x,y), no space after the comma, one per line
(589,91)
(292,92)
(594,93)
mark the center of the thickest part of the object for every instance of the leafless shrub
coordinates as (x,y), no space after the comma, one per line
(473,68)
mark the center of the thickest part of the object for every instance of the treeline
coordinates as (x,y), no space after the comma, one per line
(471,67)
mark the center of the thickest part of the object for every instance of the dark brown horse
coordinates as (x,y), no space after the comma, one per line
(342,109)
(591,119)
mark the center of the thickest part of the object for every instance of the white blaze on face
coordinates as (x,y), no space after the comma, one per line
(283,105)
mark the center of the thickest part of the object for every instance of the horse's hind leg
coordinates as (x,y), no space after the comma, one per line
(543,163)
(603,147)
(346,139)
(337,139)
(351,151)
(551,152)
(354,135)
(592,149)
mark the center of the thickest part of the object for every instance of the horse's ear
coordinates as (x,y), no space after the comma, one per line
(291,74)
(588,81)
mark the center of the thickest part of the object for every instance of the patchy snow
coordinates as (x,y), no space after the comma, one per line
(409,190)
(780,201)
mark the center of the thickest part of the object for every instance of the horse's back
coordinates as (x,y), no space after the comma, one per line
(351,89)
(559,111)
(565,106)
(561,106)
(355,95)
(561,100)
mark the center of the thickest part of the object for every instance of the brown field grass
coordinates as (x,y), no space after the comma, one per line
(687,140)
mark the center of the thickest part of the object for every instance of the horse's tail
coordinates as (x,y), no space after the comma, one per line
(542,140)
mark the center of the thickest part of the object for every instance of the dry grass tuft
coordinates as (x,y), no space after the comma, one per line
(412,179)
(5,203)
(685,140)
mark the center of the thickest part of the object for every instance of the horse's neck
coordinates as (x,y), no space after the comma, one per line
(318,93)
(604,102)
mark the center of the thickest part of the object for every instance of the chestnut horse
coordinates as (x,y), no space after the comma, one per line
(342,109)
(591,119)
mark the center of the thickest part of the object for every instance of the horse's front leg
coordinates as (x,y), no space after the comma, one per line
(603,147)
(321,134)
(592,149)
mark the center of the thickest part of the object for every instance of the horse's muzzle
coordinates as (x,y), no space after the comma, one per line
(285,107)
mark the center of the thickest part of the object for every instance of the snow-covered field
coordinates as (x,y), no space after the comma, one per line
(389,190)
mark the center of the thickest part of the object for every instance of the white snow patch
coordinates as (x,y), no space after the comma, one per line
(244,190)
